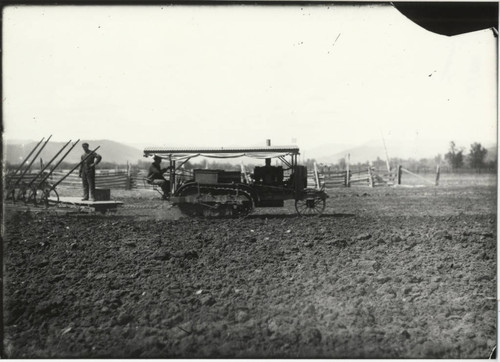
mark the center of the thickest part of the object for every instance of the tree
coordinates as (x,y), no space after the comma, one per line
(477,155)
(455,156)
(492,165)
(425,165)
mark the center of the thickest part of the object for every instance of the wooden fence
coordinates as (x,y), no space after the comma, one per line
(367,177)
(135,179)
(107,179)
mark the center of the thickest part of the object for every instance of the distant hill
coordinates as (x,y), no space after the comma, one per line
(325,151)
(111,151)
(369,151)
(16,150)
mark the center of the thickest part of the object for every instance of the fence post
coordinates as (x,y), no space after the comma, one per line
(437,175)
(128,184)
(399,174)
(316,176)
(348,173)
(370,177)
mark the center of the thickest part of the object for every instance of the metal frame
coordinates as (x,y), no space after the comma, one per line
(42,184)
(28,187)
(57,164)
(49,188)
(12,188)
(219,150)
(27,157)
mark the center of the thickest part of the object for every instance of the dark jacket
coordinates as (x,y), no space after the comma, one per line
(156,173)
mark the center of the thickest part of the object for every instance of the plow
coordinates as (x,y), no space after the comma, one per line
(38,189)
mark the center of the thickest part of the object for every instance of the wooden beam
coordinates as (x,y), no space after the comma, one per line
(370,177)
(316,177)
(348,174)
(420,177)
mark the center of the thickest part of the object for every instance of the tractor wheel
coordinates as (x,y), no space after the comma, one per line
(310,206)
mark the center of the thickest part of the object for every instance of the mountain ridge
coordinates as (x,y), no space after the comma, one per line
(122,153)
(111,151)
(370,150)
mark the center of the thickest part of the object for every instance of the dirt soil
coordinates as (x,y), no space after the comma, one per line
(384,273)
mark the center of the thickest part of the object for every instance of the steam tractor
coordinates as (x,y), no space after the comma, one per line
(212,192)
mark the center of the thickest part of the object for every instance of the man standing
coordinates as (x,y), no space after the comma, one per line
(155,176)
(87,172)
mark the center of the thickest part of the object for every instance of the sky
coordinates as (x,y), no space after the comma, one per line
(240,74)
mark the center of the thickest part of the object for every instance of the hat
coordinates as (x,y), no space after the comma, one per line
(157,158)
(85,144)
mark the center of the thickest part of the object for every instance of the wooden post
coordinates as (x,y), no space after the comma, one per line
(268,160)
(316,176)
(128,184)
(171,174)
(437,175)
(348,174)
(370,177)
(399,172)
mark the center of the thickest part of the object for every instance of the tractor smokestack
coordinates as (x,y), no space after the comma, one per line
(268,160)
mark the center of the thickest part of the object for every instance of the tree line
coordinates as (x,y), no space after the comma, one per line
(456,159)
(475,159)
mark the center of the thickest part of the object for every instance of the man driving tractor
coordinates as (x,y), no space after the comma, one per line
(155,176)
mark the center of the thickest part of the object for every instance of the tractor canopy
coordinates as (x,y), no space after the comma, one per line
(183,153)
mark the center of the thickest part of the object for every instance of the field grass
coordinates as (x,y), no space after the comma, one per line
(451,179)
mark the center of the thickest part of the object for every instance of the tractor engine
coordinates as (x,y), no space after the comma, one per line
(268,175)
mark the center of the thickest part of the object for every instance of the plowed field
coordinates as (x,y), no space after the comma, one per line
(384,273)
